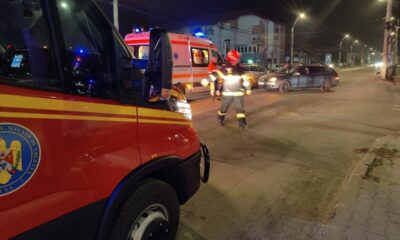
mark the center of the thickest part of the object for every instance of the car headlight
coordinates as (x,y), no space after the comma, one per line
(274,79)
(378,64)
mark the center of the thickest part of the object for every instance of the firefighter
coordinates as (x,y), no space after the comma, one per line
(233,88)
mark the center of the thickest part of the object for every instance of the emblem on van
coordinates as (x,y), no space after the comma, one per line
(176,55)
(19,157)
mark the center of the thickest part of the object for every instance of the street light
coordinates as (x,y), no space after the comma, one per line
(362,56)
(300,16)
(340,49)
(351,47)
(351,51)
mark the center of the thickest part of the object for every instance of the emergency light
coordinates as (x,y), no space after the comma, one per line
(199,34)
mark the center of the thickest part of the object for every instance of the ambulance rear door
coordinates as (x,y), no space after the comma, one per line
(182,69)
(201,58)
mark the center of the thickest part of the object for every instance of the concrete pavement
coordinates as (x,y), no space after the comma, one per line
(284,177)
(369,207)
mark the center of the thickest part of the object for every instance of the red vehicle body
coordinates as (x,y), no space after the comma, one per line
(80,157)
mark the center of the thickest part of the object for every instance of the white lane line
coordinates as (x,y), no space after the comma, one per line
(351,69)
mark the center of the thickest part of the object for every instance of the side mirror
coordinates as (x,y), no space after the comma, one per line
(133,73)
(158,74)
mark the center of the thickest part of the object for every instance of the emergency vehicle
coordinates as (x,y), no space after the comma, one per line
(92,146)
(193,58)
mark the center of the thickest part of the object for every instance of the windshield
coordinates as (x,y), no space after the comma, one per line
(25,52)
(139,51)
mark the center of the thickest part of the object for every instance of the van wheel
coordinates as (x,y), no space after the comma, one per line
(284,87)
(151,212)
(326,86)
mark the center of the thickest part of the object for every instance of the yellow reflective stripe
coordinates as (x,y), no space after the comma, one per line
(14,101)
(220,113)
(164,122)
(240,115)
(64,117)
(232,94)
(147,112)
(87,118)
(220,74)
(212,77)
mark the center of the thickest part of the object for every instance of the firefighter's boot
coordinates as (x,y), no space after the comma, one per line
(221,119)
(242,123)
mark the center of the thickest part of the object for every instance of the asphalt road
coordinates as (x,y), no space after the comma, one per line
(280,178)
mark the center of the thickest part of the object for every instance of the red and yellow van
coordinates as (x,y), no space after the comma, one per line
(91,145)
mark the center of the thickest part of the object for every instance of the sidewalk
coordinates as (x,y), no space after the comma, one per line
(369,206)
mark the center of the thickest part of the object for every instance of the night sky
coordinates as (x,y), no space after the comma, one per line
(328,19)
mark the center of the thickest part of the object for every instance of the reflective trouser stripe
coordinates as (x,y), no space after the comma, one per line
(240,115)
(221,114)
(233,94)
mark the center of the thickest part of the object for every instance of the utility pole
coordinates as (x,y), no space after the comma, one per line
(115,13)
(362,56)
(385,58)
(340,49)
(396,46)
(300,16)
(292,42)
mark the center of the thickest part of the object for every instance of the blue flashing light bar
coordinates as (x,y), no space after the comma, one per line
(199,34)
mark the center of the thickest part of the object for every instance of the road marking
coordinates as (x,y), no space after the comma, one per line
(351,69)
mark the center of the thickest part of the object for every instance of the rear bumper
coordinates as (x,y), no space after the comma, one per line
(335,83)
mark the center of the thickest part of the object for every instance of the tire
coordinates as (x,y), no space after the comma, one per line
(150,212)
(326,86)
(284,87)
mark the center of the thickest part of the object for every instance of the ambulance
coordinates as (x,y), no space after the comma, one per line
(92,146)
(193,59)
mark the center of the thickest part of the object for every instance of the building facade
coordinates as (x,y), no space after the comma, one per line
(259,40)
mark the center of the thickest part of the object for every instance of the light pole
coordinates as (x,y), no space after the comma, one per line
(300,16)
(396,46)
(385,60)
(115,13)
(362,55)
(351,50)
(340,49)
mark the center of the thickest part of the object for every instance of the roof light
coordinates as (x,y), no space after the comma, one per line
(199,34)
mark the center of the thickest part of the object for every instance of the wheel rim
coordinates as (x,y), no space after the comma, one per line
(326,85)
(285,87)
(152,223)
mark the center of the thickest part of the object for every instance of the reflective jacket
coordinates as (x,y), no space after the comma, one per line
(233,81)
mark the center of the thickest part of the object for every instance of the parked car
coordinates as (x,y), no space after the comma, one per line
(254,72)
(301,77)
